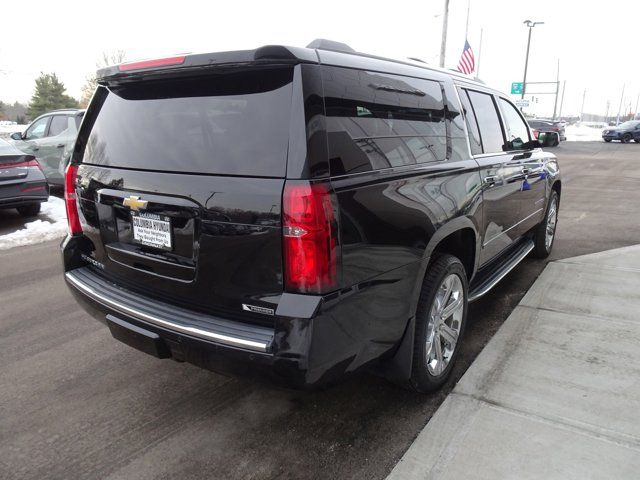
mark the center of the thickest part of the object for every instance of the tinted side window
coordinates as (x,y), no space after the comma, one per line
(472,123)
(488,121)
(517,129)
(378,121)
(58,125)
(78,119)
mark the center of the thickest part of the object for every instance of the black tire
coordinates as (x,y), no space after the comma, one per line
(626,138)
(542,246)
(608,140)
(30,210)
(637,140)
(423,378)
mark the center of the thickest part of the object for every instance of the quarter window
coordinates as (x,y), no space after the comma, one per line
(488,121)
(517,129)
(379,121)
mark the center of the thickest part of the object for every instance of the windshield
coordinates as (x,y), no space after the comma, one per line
(231,124)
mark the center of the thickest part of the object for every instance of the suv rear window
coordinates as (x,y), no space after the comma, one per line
(233,123)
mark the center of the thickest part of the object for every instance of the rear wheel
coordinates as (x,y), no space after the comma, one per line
(29,210)
(545,232)
(626,138)
(440,322)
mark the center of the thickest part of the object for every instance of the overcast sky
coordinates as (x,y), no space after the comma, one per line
(597,46)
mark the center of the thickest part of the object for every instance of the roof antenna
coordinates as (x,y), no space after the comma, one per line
(416,59)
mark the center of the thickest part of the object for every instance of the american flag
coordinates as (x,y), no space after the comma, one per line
(467,63)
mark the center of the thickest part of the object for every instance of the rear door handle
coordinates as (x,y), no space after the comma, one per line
(60,146)
(526,170)
(490,181)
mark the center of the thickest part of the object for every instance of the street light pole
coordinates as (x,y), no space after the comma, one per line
(555,105)
(530,25)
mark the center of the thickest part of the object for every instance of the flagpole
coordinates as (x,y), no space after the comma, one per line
(466,31)
(479,55)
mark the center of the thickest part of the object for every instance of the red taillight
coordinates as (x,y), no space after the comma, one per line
(73,218)
(23,164)
(33,189)
(157,62)
(309,238)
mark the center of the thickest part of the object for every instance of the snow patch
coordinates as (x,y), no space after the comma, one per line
(38,231)
(583,133)
(7,130)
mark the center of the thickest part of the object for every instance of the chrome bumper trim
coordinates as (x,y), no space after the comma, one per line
(91,292)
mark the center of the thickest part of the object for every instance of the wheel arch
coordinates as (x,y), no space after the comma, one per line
(452,237)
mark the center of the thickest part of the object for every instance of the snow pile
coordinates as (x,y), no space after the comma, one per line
(584,133)
(7,130)
(38,231)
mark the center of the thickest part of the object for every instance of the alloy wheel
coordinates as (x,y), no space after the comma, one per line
(445,322)
(552,218)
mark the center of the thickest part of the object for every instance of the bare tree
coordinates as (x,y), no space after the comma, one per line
(90,85)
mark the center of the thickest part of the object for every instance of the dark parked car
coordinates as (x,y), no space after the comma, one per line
(550,126)
(50,138)
(22,183)
(625,132)
(300,212)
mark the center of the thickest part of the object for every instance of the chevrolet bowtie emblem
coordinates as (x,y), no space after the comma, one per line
(134,203)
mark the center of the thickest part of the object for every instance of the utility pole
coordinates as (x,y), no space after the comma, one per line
(555,104)
(443,43)
(582,109)
(606,114)
(530,25)
(564,89)
(635,112)
(480,56)
(620,107)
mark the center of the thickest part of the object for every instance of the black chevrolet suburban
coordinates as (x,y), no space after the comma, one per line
(300,213)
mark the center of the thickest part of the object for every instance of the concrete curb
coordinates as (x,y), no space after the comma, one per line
(556,392)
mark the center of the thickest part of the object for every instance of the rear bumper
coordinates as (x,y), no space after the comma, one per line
(204,327)
(19,201)
(313,340)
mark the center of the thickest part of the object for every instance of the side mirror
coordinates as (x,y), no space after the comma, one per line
(16,136)
(549,139)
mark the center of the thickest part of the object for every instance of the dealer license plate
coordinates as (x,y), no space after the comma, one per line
(152,230)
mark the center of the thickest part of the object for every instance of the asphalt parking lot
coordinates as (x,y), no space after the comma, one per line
(74,403)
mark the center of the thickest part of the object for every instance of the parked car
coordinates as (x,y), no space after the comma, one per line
(50,137)
(625,132)
(550,126)
(22,183)
(311,212)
